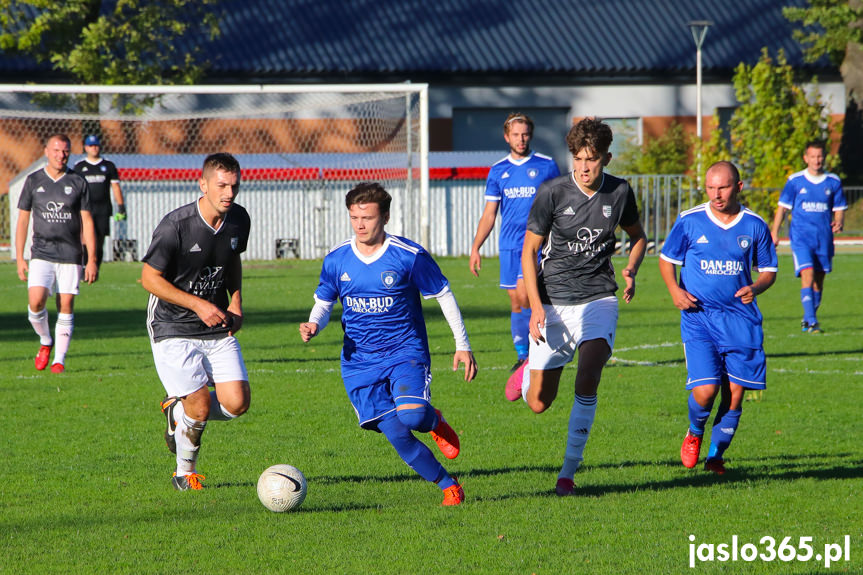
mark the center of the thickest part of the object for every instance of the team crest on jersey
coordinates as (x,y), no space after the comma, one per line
(104,169)
(235,241)
(532,173)
(389,279)
(606,211)
(67,190)
(744,242)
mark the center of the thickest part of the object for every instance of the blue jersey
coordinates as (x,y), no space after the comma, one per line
(382,313)
(514,184)
(812,201)
(715,261)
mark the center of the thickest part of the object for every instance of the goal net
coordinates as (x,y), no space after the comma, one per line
(300,148)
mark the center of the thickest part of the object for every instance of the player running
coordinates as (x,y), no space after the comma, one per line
(385,361)
(817,204)
(572,301)
(194,275)
(716,246)
(511,185)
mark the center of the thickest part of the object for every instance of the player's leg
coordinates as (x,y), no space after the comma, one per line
(232,395)
(180,365)
(817,291)
(804,262)
(420,458)
(40,284)
(746,369)
(409,385)
(63,330)
(511,280)
(704,377)
(548,357)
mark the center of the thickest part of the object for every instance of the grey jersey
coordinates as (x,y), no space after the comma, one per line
(55,208)
(575,265)
(99,177)
(195,258)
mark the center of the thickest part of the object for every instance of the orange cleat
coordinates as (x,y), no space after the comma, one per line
(188,481)
(58,368)
(41,361)
(445,437)
(453,495)
(715,465)
(690,450)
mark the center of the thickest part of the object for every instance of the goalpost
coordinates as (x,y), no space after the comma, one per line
(300,148)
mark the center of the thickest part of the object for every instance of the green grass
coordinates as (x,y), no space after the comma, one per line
(84,473)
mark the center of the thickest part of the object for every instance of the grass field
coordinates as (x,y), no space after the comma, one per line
(85,476)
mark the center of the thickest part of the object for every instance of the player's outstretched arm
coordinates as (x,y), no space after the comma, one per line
(466,357)
(319,317)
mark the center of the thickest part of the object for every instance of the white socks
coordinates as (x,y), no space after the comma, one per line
(63,336)
(39,321)
(580,422)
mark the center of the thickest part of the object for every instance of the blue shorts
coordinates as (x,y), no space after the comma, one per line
(820,259)
(510,268)
(375,389)
(707,363)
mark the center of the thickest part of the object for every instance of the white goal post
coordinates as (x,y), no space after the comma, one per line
(300,148)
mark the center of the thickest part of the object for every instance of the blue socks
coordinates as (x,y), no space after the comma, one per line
(520,327)
(816,297)
(724,427)
(414,452)
(697,416)
(807,298)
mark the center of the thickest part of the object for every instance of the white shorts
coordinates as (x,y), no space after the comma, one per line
(187,365)
(566,326)
(58,278)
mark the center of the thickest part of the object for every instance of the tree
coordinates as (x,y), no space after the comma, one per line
(125,42)
(770,128)
(666,154)
(835,28)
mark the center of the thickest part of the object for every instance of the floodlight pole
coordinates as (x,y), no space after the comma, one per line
(699,31)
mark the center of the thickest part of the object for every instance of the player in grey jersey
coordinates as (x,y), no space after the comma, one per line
(58,200)
(572,301)
(194,275)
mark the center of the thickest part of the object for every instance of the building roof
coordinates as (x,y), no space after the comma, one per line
(487,40)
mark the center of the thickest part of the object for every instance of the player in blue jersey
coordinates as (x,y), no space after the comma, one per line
(386,367)
(817,205)
(716,245)
(512,183)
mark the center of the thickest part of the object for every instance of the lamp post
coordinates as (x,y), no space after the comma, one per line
(699,31)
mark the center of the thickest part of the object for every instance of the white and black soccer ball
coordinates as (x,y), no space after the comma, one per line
(282,488)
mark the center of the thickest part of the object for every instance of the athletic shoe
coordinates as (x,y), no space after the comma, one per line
(564,487)
(513,384)
(445,437)
(41,361)
(453,495)
(518,363)
(186,482)
(58,368)
(715,465)
(171,425)
(804,325)
(690,450)
(815,328)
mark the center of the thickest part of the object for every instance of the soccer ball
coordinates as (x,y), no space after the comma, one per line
(282,488)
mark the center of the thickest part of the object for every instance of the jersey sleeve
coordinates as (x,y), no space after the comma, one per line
(113,174)
(630,209)
(85,196)
(765,254)
(674,248)
(327,290)
(539,219)
(839,201)
(492,187)
(25,200)
(165,243)
(789,192)
(427,276)
(245,228)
